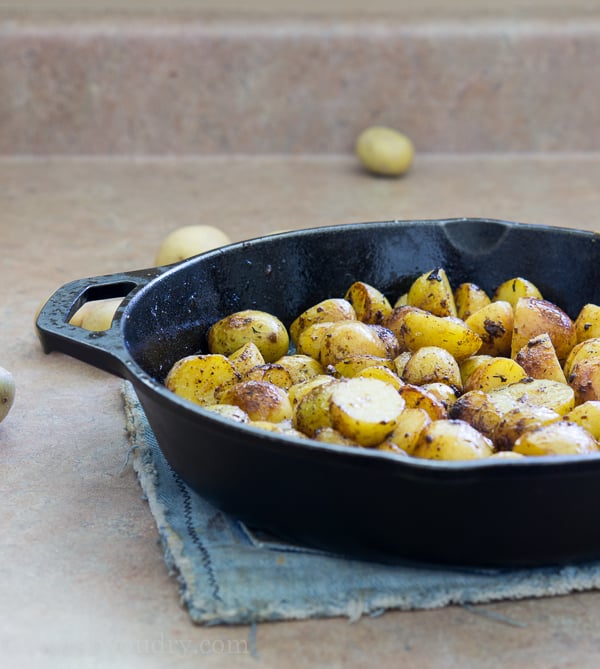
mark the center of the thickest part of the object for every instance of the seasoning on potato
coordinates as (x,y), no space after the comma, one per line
(7,392)
(384,151)
(188,241)
(443,375)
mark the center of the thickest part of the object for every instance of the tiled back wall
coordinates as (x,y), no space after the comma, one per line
(146,86)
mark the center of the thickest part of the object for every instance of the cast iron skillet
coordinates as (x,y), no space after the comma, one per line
(364,504)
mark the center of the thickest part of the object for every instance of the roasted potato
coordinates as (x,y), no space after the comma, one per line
(538,392)
(494,324)
(514,289)
(261,400)
(247,357)
(229,411)
(446,394)
(300,367)
(311,412)
(534,317)
(432,364)
(432,292)
(346,338)
(365,410)
(585,350)
(587,323)
(355,364)
(382,373)
(416,397)
(326,311)
(470,364)
(584,378)
(199,378)
(421,328)
(299,390)
(561,438)
(263,329)
(539,360)
(370,304)
(272,372)
(588,416)
(469,298)
(405,435)
(494,373)
(519,420)
(478,409)
(329,435)
(452,440)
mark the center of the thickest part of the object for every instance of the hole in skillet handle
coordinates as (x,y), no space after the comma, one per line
(104,349)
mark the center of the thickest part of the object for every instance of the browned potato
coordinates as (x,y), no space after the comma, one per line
(311,412)
(494,373)
(301,367)
(281,428)
(199,378)
(431,364)
(400,362)
(326,311)
(424,329)
(328,435)
(446,394)
(534,317)
(494,324)
(265,330)
(351,366)
(452,440)
(370,304)
(299,390)
(519,420)
(562,438)
(470,364)
(247,357)
(539,360)
(588,416)
(261,400)
(384,374)
(416,397)
(365,410)
(585,380)
(405,435)
(513,289)
(537,392)
(401,301)
(229,411)
(476,408)
(469,298)
(395,323)
(346,338)
(587,323)
(271,372)
(310,340)
(585,350)
(432,292)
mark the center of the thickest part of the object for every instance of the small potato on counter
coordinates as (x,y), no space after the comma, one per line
(7,392)
(96,315)
(384,151)
(188,241)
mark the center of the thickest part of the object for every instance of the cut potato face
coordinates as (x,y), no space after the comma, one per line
(432,292)
(421,328)
(494,325)
(588,416)
(452,440)
(469,298)
(327,311)
(261,400)
(562,438)
(494,373)
(365,410)
(199,378)
(409,426)
(539,360)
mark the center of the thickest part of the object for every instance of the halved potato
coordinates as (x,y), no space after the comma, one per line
(539,360)
(494,324)
(271,372)
(469,298)
(446,394)
(432,364)
(370,304)
(365,410)
(537,392)
(424,329)
(513,289)
(229,411)
(311,412)
(247,357)
(299,390)
(382,373)
(494,373)
(585,350)
(199,378)
(588,416)
(326,311)
(476,408)
(519,420)
(585,380)
(261,400)
(409,426)
(534,317)
(329,435)
(300,367)
(416,397)
(561,438)
(587,323)
(470,364)
(346,338)
(432,292)
(452,440)
(354,364)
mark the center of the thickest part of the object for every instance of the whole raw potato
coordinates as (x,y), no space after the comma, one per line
(188,241)
(7,392)
(384,151)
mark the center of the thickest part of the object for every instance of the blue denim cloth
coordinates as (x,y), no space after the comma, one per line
(231,574)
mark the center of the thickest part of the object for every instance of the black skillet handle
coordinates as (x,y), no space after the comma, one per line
(103,349)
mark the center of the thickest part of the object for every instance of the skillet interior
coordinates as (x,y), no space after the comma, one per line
(372,506)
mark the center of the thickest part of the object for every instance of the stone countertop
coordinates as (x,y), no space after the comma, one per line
(82,577)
